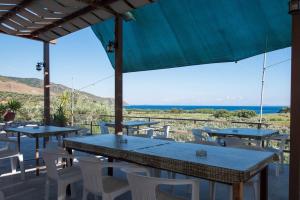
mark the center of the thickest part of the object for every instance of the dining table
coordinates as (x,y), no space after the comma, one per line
(221,164)
(40,132)
(130,124)
(249,133)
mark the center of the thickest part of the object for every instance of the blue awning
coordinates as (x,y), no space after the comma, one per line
(175,33)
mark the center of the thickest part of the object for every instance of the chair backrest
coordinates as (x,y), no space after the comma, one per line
(142,187)
(2,196)
(233,142)
(51,156)
(91,174)
(166,131)
(103,128)
(150,133)
(200,135)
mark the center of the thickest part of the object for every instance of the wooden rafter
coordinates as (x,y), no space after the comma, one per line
(15,10)
(93,5)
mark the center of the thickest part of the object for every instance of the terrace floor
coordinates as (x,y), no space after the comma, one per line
(33,186)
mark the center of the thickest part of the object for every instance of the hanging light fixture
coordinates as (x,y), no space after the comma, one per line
(294,6)
(110,48)
(39,66)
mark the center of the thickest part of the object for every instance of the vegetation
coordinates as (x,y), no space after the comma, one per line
(14,105)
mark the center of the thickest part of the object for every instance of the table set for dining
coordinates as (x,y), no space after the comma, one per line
(213,163)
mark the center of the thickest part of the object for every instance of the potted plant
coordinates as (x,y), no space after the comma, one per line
(59,117)
(11,108)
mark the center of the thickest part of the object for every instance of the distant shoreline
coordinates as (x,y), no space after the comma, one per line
(266,109)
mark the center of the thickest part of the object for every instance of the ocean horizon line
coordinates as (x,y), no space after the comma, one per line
(266,109)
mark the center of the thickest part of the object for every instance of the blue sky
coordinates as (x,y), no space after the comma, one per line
(80,55)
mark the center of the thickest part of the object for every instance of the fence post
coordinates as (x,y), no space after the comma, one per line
(91,127)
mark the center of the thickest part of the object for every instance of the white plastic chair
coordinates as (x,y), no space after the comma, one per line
(104,129)
(9,149)
(63,177)
(235,142)
(282,138)
(95,182)
(2,196)
(201,136)
(144,187)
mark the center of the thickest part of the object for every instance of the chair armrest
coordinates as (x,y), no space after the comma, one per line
(2,139)
(118,165)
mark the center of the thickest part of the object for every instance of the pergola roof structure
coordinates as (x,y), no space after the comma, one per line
(48,20)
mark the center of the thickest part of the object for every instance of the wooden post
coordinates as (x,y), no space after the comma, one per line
(46,84)
(118,73)
(294,178)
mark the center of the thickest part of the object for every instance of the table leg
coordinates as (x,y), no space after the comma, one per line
(69,164)
(237,191)
(45,141)
(264,184)
(110,170)
(37,157)
(19,141)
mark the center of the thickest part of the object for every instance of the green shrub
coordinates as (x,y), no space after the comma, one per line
(176,111)
(245,113)
(222,114)
(285,110)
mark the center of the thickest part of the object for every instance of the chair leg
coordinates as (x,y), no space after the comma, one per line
(256,190)
(230,192)
(73,190)
(47,189)
(84,194)
(22,169)
(277,169)
(13,164)
(212,190)
(61,191)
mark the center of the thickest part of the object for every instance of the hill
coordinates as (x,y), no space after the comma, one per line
(34,86)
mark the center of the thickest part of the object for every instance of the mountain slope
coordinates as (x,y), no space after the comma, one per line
(34,86)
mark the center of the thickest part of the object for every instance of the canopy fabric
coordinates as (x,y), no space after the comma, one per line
(175,33)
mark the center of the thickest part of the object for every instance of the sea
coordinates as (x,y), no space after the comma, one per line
(266,109)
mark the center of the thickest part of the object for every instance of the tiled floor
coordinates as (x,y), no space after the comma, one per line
(33,187)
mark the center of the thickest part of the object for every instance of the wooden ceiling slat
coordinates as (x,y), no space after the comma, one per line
(48,20)
(16,9)
(72,3)
(7,30)
(50,35)
(103,14)
(79,23)
(138,3)
(6,7)
(69,27)
(21,21)
(57,7)
(74,15)
(30,16)
(60,31)
(14,25)
(44,37)
(44,13)
(10,1)
(92,19)
(120,7)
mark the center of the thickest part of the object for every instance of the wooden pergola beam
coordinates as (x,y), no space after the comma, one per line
(16,9)
(93,5)
(46,84)
(118,74)
(294,176)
